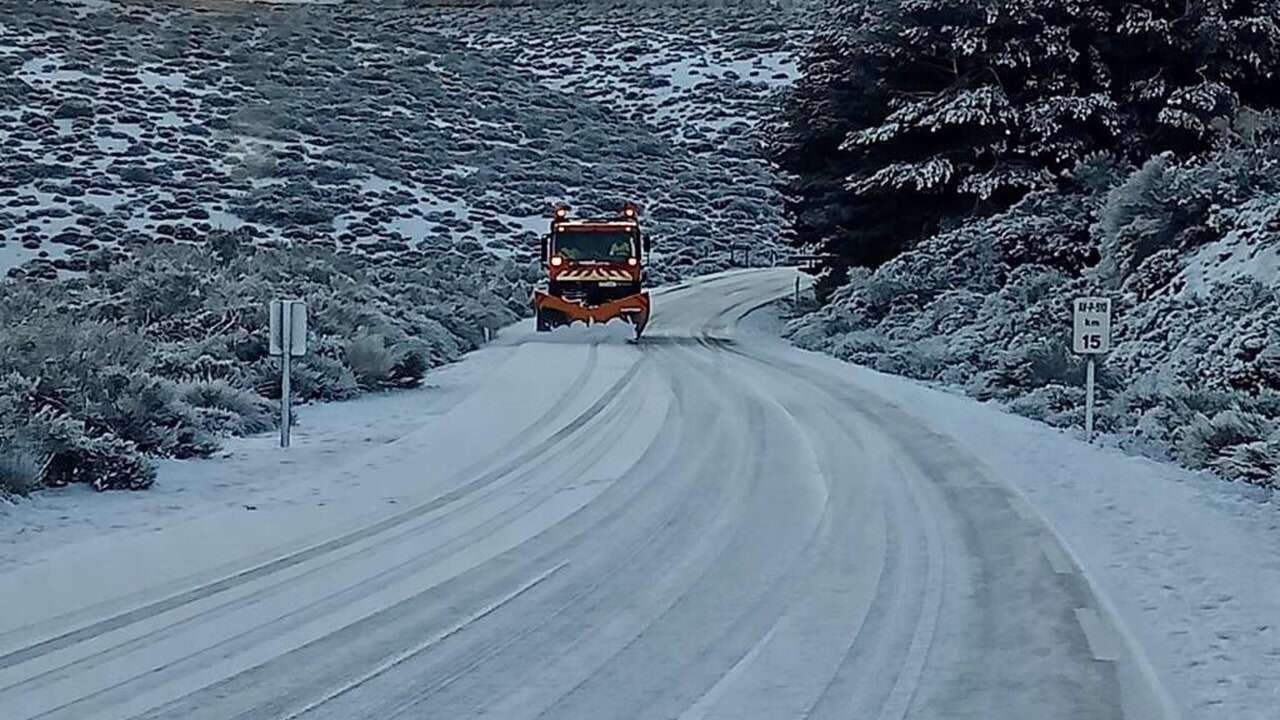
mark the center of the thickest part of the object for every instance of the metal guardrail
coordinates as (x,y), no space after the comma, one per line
(740,256)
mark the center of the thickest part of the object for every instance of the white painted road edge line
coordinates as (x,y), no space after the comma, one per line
(1102,642)
(1058,559)
(1145,695)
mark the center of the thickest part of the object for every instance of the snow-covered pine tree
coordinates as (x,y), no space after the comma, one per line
(943,107)
(913,114)
(836,93)
(1182,67)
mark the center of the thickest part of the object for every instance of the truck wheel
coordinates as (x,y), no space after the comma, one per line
(543,321)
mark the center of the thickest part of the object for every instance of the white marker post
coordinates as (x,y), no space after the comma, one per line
(1092,336)
(288,340)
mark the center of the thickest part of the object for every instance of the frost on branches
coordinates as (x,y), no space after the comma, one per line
(1189,249)
(913,114)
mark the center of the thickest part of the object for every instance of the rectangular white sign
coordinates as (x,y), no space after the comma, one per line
(292,313)
(1092,322)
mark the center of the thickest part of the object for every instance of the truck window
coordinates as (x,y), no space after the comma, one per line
(586,245)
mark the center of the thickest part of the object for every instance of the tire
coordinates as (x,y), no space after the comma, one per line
(543,321)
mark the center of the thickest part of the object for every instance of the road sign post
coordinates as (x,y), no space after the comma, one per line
(1088,401)
(1091,322)
(288,340)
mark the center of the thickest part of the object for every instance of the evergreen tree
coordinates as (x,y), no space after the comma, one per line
(913,114)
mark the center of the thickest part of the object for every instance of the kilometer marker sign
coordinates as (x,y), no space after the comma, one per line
(1092,325)
(1092,322)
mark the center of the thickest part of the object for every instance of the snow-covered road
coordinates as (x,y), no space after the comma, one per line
(704,525)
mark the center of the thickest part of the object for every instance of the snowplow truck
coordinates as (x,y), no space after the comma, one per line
(595,271)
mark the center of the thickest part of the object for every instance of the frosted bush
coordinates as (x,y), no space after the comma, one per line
(1256,462)
(78,454)
(317,377)
(1058,405)
(147,412)
(21,466)
(1205,440)
(370,360)
(860,346)
(1154,274)
(161,354)
(241,412)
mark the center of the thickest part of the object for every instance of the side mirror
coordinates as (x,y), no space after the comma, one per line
(546,248)
(648,243)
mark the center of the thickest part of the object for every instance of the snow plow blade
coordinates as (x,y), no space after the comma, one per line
(553,311)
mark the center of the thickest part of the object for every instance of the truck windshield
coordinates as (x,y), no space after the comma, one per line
(595,245)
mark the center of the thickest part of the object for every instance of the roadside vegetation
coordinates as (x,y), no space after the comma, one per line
(162,354)
(974,167)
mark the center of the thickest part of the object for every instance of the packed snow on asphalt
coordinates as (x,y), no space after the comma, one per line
(706,524)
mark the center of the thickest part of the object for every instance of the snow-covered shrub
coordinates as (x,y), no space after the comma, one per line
(1024,367)
(370,360)
(860,346)
(78,454)
(227,409)
(1136,222)
(1053,404)
(1178,205)
(21,466)
(1205,440)
(1154,274)
(146,411)
(1256,462)
(1195,341)
(411,363)
(218,357)
(161,353)
(317,376)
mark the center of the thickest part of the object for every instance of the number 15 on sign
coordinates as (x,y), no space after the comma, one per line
(1091,320)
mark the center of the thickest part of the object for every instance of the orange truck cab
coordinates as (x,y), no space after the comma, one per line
(595,271)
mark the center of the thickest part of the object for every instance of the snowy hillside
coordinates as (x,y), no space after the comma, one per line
(1250,251)
(1195,367)
(183,163)
(970,169)
(127,122)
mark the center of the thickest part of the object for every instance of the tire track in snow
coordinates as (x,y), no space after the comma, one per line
(686,597)
(144,612)
(510,567)
(1102,701)
(244,639)
(902,611)
(86,663)
(659,532)
(423,646)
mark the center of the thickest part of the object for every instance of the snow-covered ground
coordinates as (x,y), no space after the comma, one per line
(1191,564)
(1193,374)
(710,524)
(298,121)
(1251,251)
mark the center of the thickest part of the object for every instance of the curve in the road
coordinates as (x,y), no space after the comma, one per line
(724,531)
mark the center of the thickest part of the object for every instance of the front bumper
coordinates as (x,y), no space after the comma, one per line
(632,308)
